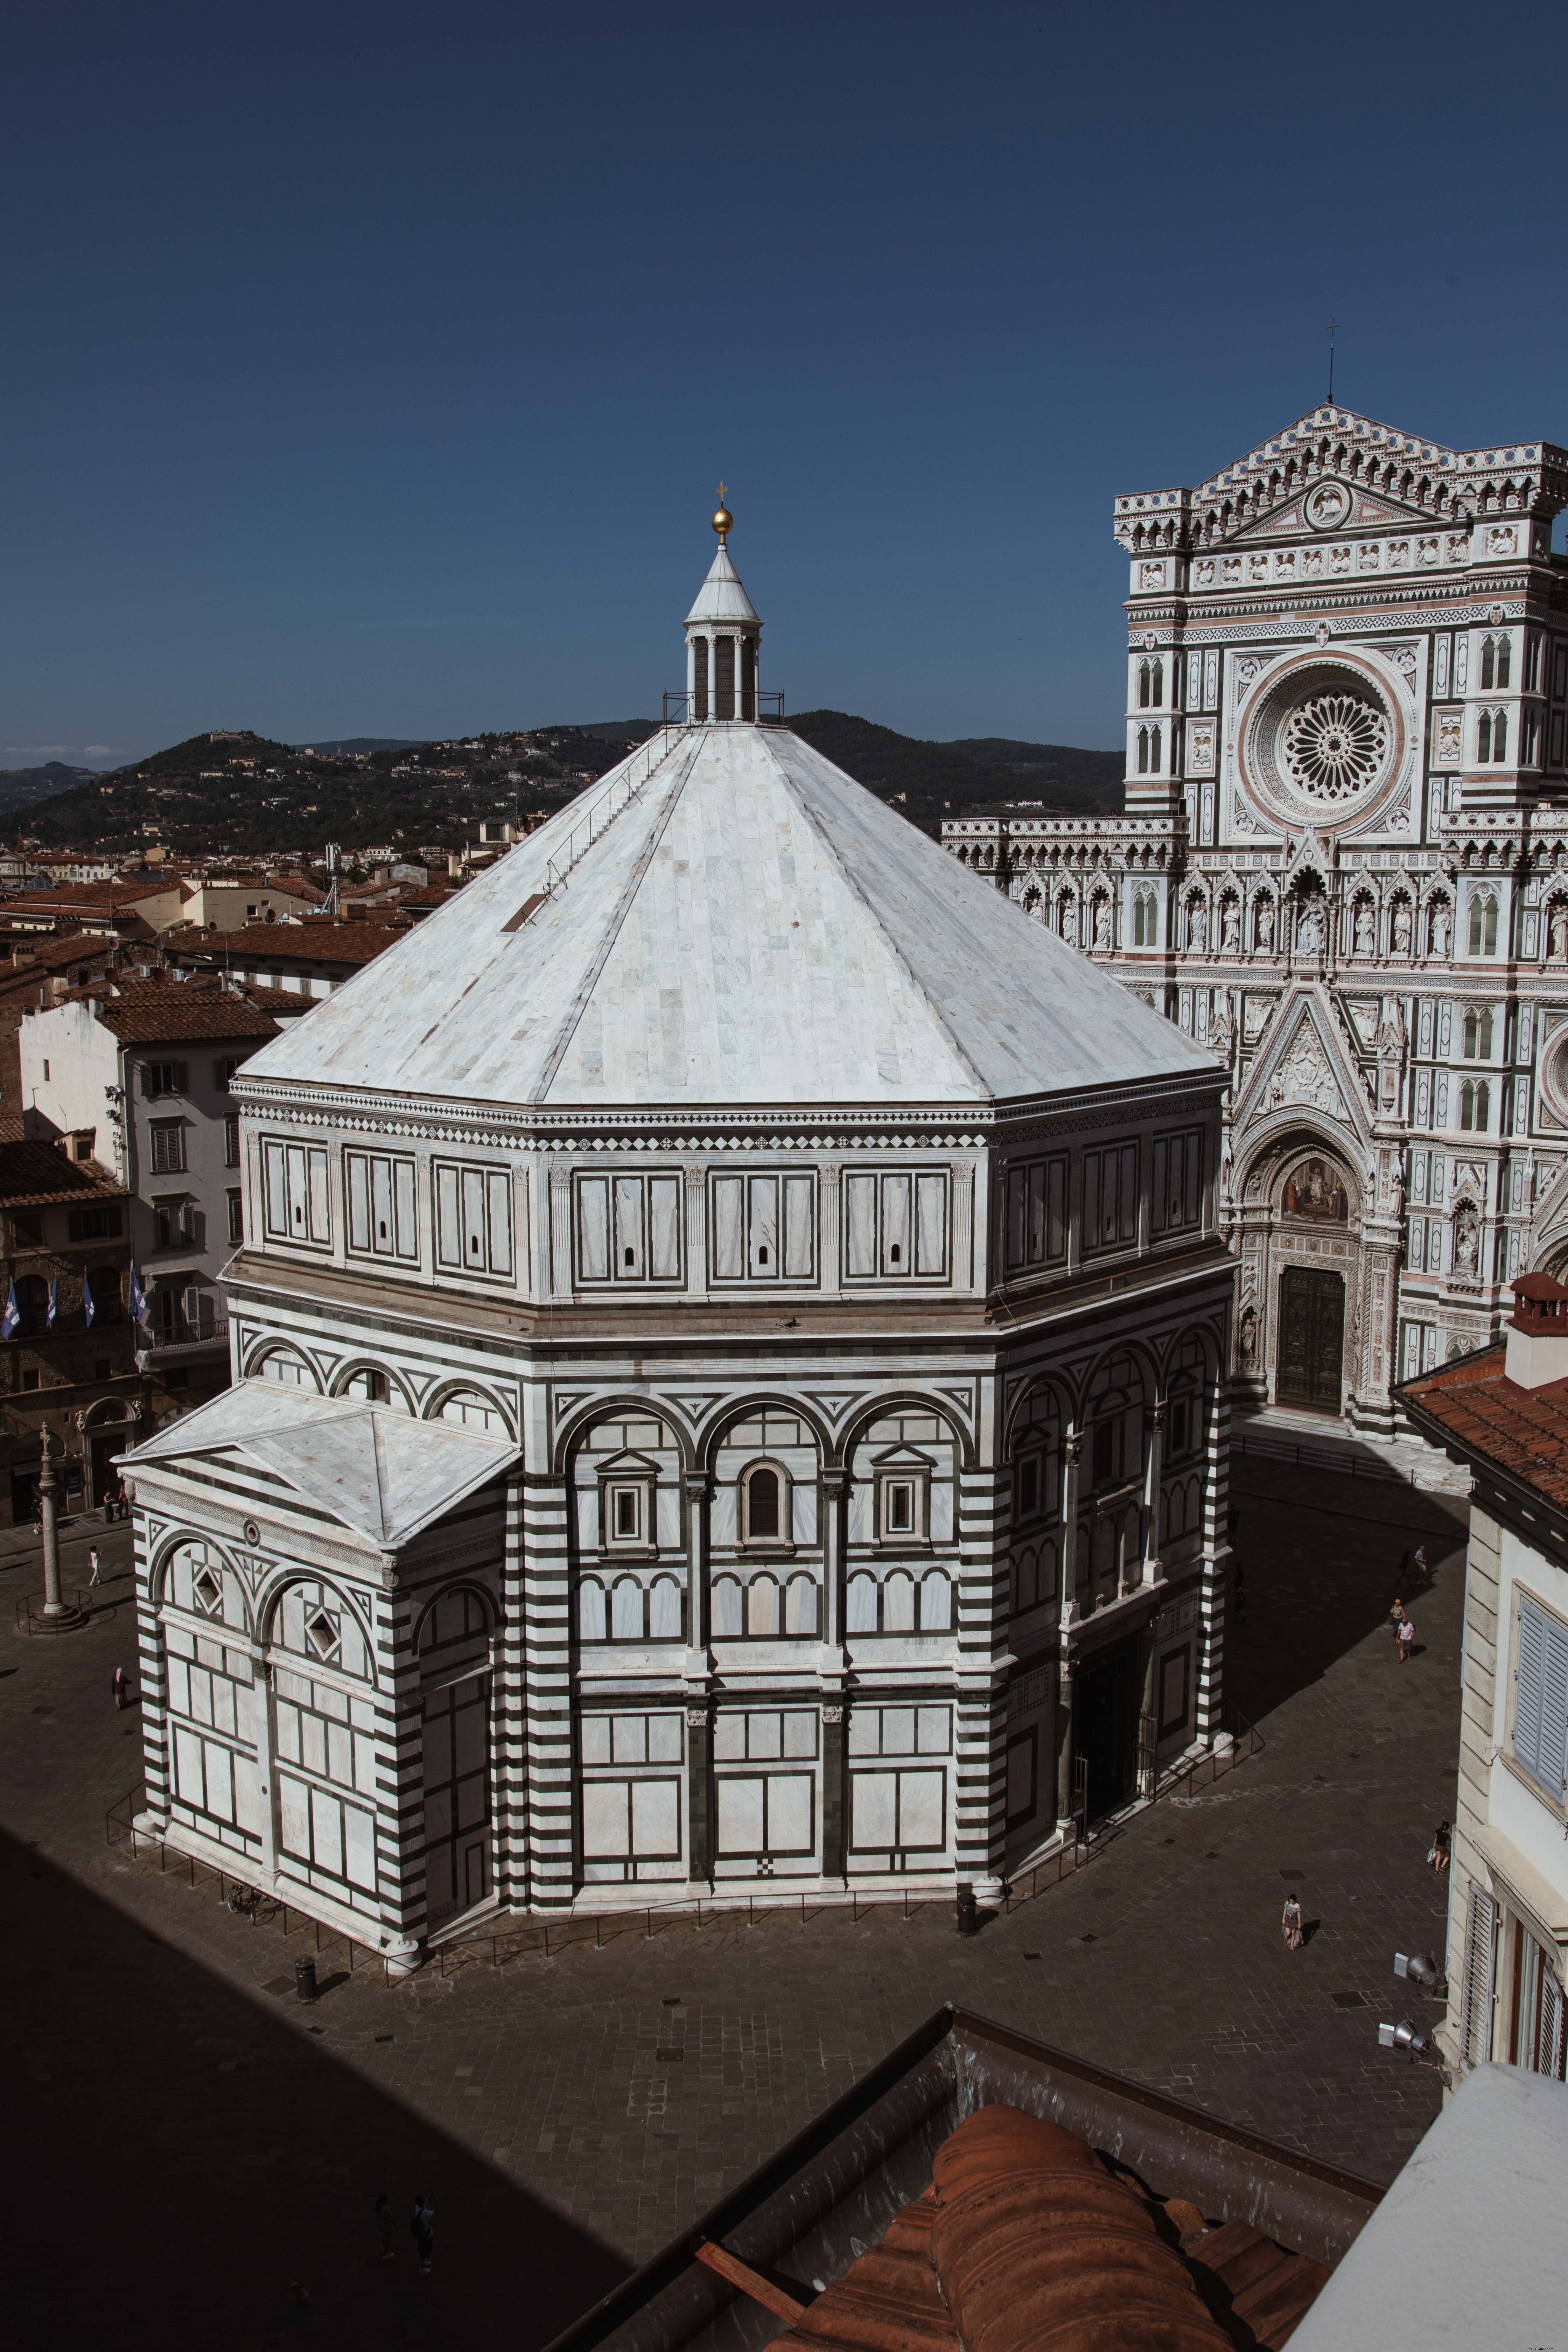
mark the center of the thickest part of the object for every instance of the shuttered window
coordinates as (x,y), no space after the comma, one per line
(1178,1181)
(895,1227)
(473,1219)
(1111,1197)
(1541,1698)
(1036,1215)
(296,1196)
(1480,1947)
(381,1212)
(762,1228)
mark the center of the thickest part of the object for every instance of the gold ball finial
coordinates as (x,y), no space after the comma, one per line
(723,521)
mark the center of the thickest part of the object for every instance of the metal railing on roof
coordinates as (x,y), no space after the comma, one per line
(702,707)
(609,806)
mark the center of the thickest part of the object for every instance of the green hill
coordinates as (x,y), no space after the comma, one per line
(928,782)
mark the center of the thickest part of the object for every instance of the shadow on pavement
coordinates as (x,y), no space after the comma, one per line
(1321,1557)
(183,2161)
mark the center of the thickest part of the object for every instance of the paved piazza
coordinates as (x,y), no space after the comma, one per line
(211,2150)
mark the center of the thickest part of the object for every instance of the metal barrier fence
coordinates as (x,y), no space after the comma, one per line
(1339,1459)
(546,1937)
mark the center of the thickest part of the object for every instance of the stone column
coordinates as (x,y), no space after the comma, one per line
(830,1256)
(835,1828)
(153,1665)
(834,1500)
(695,1175)
(55,1607)
(262,1717)
(1210,1691)
(560,1228)
(1156,1472)
(401,1897)
(1065,1678)
(1072,1453)
(691,678)
(983,1516)
(1148,1776)
(699,1634)
(699,1793)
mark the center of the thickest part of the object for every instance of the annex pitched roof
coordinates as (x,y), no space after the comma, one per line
(382,1475)
(752,927)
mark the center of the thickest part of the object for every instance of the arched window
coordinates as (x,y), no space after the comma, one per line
(1483,923)
(1153,751)
(1485,1039)
(1467,1104)
(1157,683)
(1483,1107)
(1472,1033)
(1143,750)
(1145,919)
(763,1505)
(726,1607)
(626,1610)
(664,1610)
(476,1412)
(1143,686)
(1504,657)
(1500,738)
(936,1602)
(591,1612)
(1488,666)
(761,1608)
(898,1603)
(800,1605)
(1484,738)
(861,1598)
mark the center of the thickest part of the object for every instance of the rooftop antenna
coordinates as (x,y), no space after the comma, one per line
(1333,329)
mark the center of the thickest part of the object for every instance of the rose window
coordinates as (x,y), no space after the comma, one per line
(1333,745)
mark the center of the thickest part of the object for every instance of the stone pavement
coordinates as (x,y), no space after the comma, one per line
(202,2153)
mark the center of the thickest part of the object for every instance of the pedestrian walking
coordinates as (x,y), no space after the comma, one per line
(1438,1852)
(1405,1638)
(1290,1925)
(386,2223)
(1422,1570)
(95,1563)
(422,2228)
(121,1687)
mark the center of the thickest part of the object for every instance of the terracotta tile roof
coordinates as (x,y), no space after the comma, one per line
(44,951)
(316,939)
(148,1013)
(1484,1414)
(33,1174)
(1027,2239)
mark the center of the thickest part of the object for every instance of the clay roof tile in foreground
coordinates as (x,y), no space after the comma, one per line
(149,1013)
(1521,1432)
(1029,2242)
(34,1173)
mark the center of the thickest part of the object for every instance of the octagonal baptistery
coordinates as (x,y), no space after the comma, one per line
(727,1387)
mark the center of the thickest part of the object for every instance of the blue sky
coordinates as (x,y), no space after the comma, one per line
(370,369)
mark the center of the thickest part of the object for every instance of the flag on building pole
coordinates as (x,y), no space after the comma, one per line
(86,1300)
(54,1303)
(10,1316)
(138,1299)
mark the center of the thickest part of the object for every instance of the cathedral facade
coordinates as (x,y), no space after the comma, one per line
(1344,867)
(727,1399)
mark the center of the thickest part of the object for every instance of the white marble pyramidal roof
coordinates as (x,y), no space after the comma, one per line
(379,1473)
(721,597)
(752,927)
(727,919)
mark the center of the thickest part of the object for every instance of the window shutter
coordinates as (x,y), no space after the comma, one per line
(1527,1699)
(149,1086)
(1554,1712)
(1476,2019)
(182,1076)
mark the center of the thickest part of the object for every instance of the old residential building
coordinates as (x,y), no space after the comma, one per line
(1344,865)
(1505,1414)
(139,1075)
(66,1346)
(726,1396)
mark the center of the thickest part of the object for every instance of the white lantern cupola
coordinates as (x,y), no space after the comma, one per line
(723,635)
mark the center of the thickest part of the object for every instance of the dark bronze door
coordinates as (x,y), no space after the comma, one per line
(1105,1727)
(1312,1339)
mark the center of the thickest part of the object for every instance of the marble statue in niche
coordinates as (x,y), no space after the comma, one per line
(1440,927)
(1103,922)
(1230,923)
(1309,927)
(1557,930)
(1401,926)
(1264,922)
(1197,926)
(1364,936)
(1467,1239)
(1247,1341)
